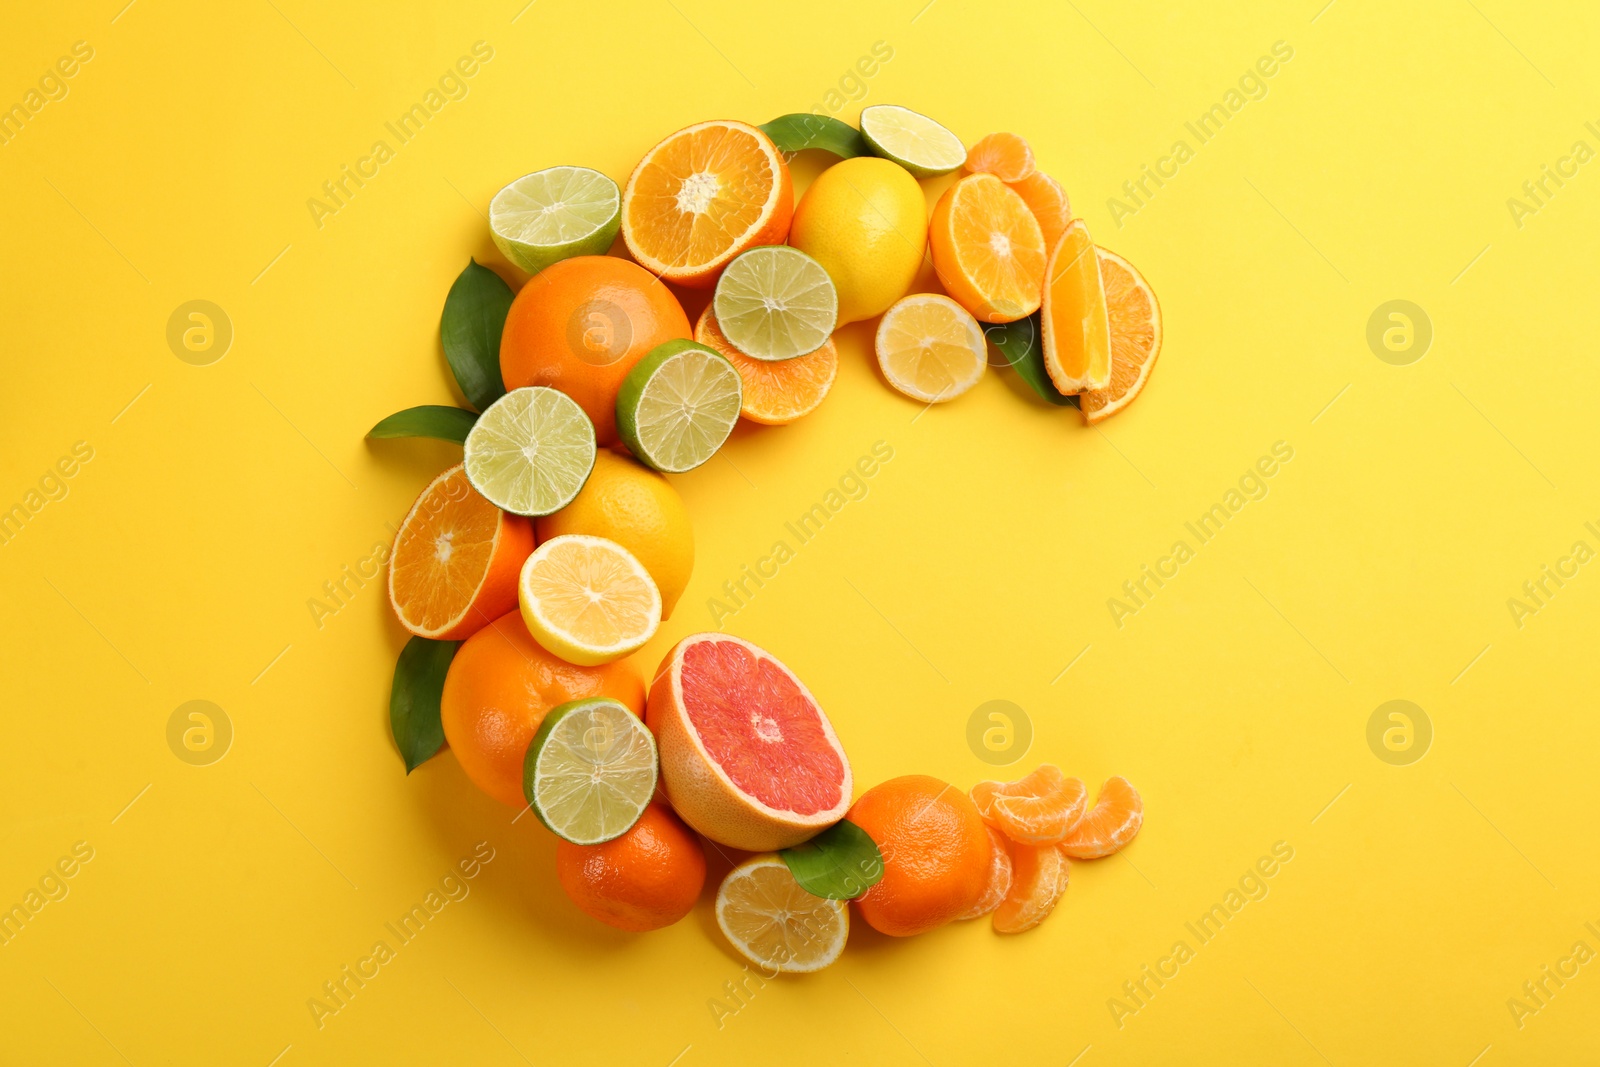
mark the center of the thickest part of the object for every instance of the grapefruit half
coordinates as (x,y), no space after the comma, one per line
(747,756)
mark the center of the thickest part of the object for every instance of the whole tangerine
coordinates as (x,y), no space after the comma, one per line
(648,878)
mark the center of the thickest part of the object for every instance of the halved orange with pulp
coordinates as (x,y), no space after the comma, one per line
(988,249)
(454,565)
(702,196)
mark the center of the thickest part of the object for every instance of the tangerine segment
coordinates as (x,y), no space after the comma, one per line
(999,877)
(1038,882)
(1005,155)
(1134,319)
(1076,331)
(1040,808)
(1048,201)
(454,565)
(1114,821)
(988,249)
(702,196)
(775,392)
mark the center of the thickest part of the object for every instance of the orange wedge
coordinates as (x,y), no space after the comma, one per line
(1040,808)
(1005,155)
(1134,318)
(702,196)
(775,391)
(454,566)
(1112,822)
(1077,337)
(994,894)
(1038,882)
(988,249)
(1048,202)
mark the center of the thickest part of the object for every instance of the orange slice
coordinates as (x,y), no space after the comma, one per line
(1076,334)
(1005,155)
(455,561)
(1040,808)
(988,249)
(702,196)
(1114,820)
(1048,202)
(775,391)
(999,878)
(1038,882)
(1134,318)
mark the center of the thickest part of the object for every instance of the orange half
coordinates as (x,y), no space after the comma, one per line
(455,561)
(1076,333)
(702,196)
(988,249)
(1134,318)
(775,391)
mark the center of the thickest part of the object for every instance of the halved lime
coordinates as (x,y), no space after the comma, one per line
(590,771)
(775,302)
(678,404)
(914,141)
(552,214)
(530,451)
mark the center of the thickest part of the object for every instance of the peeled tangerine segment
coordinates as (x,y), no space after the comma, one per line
(1077,332)
(994,894)
(1038,882)
(1114,821)
(1041,808)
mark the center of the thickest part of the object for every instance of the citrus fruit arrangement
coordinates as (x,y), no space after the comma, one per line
(529,573)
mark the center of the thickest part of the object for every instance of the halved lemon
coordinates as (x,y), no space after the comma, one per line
(590,771)
(530,451)
(912,140)
(555,213)
(774,923)
(587,599)
(776,302)
(930,348)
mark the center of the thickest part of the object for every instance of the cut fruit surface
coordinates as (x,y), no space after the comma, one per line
(774,392)
(590,771)
(530,451)
(747,756)
(988,249)
(999,877)
(1077,336)
(702,196)
(455,559)
(1133,318)
(555,213)
(1038,882)
(588,600)
(1041,808)
(776,302)
(774,923)
(930,348)
(678,405)
(1048,201)
(1114,820)
(1005,155)
(912,140)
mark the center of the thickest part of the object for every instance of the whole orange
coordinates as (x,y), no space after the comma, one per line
(648,878)
(581,324)
(936,854)
(499,688)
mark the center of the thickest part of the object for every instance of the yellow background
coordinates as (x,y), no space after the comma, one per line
(1420,498)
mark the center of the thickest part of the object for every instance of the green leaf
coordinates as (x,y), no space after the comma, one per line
(1023,346)
(429,420)
(801,130)
(474,315)
(414,700)
(840,863)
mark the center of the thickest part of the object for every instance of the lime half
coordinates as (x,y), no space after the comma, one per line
(678,404)
(914,141)
(590,771)
(552,214)
(775,302)
(530,451)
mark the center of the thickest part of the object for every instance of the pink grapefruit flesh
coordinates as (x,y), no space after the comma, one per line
(747,756)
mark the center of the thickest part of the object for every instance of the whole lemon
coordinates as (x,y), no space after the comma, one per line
(866,222)
(626,502)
